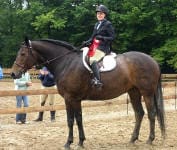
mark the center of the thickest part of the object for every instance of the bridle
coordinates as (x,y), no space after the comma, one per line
(30,53)
(29,47)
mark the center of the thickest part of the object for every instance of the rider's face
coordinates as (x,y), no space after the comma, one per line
(100,15)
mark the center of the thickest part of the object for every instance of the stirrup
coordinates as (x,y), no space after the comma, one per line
(96,82)
(99,84)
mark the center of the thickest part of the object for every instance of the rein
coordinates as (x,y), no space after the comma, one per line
(49,61)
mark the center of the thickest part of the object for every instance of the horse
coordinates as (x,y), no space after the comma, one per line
(136,73)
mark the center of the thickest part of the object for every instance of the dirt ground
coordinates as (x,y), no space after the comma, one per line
(106,127)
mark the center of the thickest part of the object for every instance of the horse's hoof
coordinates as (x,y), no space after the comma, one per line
(149,142)
(131,143)
(67,146)
(133,139)
(80,147)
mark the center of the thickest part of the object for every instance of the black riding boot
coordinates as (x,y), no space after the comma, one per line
(40,117)
(52,115)
(23,118)
(97,79)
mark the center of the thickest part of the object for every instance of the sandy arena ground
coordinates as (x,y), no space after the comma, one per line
(106,127)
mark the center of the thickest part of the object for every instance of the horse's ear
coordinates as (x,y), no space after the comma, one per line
(26,41)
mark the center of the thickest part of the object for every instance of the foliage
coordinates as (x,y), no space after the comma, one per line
(148,26)
(167,54)
(44,23)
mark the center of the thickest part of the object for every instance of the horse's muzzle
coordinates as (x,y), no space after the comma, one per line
(15,76)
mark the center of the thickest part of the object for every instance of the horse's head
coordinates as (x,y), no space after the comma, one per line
(46,52)
(24,60)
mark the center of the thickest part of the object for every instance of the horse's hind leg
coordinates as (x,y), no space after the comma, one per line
(135,98)
(149,101)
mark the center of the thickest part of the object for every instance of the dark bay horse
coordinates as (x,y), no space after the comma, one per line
(136,73)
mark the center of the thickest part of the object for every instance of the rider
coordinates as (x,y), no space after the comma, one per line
(104,32)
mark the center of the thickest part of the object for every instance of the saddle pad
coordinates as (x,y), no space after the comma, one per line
(109,63)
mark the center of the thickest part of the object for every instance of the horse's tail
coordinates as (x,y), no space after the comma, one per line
(159,104)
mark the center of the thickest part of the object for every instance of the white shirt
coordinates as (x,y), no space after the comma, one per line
(98,25)
(20,84)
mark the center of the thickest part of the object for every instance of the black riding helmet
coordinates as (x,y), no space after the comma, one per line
(102,8)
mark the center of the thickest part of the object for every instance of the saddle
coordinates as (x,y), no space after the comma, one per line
(108,63)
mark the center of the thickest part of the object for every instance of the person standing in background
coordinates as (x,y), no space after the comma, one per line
(48,82)
(22,84)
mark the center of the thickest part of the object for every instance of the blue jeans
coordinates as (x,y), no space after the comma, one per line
(20,99)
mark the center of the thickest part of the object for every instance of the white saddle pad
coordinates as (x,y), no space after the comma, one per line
(109,61)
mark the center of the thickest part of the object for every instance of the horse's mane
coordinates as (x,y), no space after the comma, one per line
(60,43)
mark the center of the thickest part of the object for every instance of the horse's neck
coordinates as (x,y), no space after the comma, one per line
(60,61)
(68,65)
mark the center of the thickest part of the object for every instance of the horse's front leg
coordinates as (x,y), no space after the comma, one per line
(74,110)
(78,116)
(70,121)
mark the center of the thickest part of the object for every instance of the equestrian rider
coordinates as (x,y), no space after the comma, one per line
(104,32)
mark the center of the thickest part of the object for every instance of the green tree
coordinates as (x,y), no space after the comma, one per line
(44,23)
(8,30)
(166,28)
(149,26)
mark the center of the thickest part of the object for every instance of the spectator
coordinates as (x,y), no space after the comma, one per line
(48,82)
(1,72)
(22,84)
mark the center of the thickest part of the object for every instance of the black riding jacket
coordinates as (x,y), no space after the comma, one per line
(105,33)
